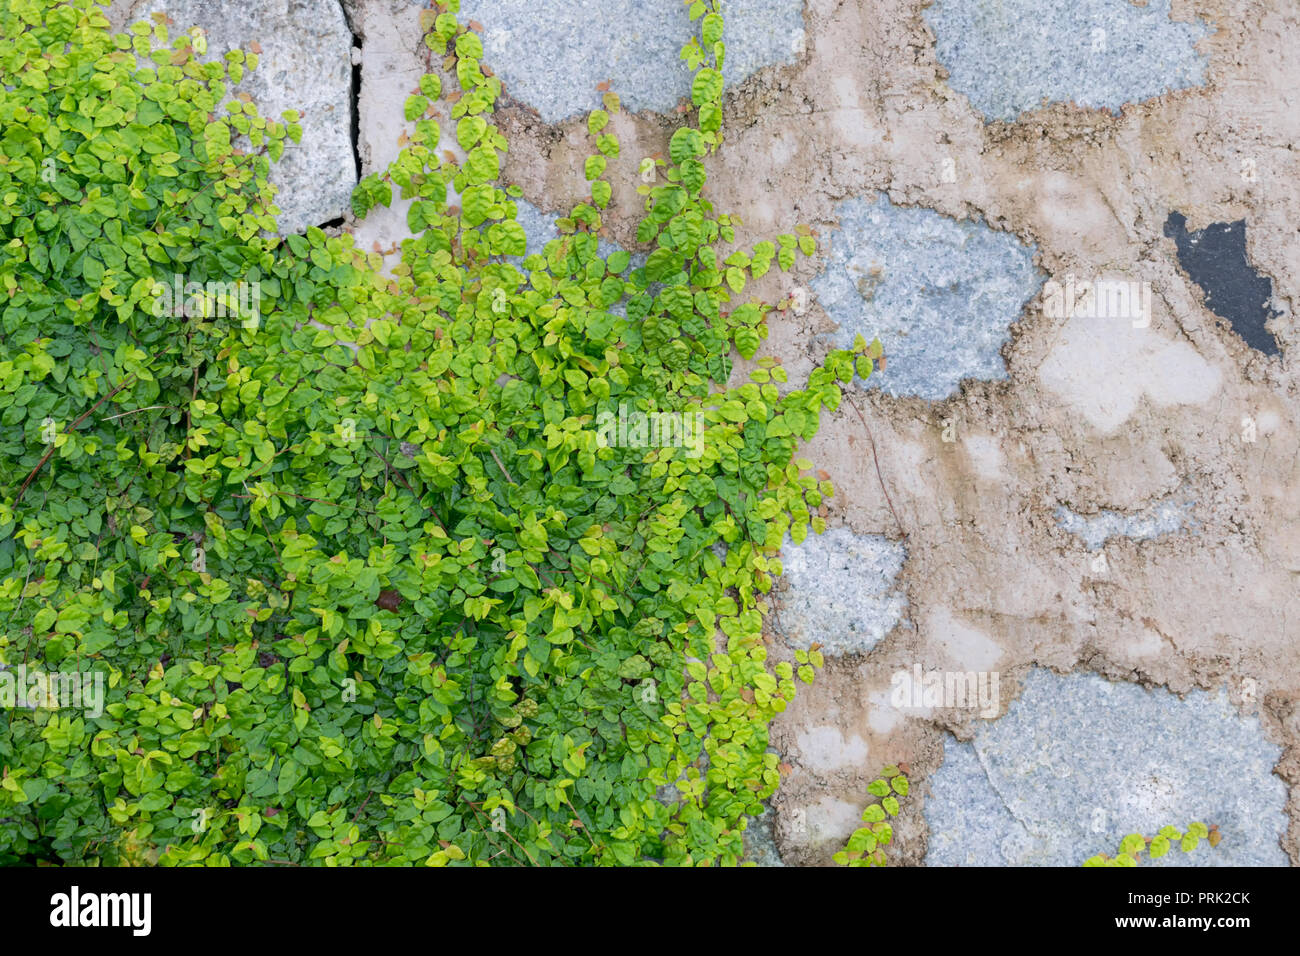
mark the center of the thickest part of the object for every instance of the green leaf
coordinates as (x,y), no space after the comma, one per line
(470,130)
(416,107)
(706,87)
(711,30)
(686,143)
(1132,844)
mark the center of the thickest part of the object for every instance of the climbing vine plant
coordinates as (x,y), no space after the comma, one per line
(363,577)
(866,846)
(1132,846)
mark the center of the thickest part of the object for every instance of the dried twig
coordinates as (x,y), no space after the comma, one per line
(876,459)
(129,380)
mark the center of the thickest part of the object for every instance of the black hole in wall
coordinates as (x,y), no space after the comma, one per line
(1215,259)
(332,224)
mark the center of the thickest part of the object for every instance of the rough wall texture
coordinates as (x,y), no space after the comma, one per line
(1125,502)
(1077,479)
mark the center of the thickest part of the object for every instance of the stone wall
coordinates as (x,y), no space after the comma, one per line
(1089,493)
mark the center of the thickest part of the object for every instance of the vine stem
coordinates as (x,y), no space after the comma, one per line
(509,836)
(502,467)
(402,478)
(75,425)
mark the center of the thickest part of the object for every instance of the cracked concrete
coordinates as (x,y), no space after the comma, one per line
(1099,414)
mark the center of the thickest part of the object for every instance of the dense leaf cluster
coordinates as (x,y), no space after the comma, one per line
(362,580)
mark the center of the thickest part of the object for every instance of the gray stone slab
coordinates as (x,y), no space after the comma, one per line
(1078,762)
(1014,55)
(840,590)
(941,294)
(551,54)
(305,65)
